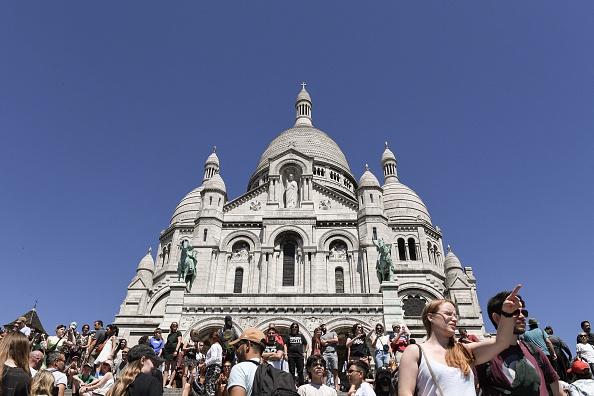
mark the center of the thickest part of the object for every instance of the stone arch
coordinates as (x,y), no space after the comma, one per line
(416,288)
(420,291)
(207,325)
(253,240)
(284,321)
(158,296)
(291,162)
(276,233)
(326,238)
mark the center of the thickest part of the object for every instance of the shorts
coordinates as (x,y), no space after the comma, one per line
(331,361)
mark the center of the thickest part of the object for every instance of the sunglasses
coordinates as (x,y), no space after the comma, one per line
(583,335)
(519,311)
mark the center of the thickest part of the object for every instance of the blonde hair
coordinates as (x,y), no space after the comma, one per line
(126,378)
(42,383)
(456,354)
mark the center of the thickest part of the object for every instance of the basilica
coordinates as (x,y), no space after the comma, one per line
(302,244)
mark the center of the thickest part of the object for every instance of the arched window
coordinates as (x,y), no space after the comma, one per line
(238,284)
(289,264)
(371,198)
(339,279)
(429,254)
(401,249)
(412,250)
(205,234)
(435,254)
(210,200)
(374,234)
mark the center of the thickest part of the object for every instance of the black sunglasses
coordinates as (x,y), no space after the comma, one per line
(522,311)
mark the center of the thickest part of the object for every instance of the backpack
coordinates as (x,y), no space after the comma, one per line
(226,338)
(269,381)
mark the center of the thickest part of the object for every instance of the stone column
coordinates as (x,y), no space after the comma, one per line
(175,303)
(392,306)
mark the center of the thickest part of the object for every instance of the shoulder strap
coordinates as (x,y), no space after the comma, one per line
(431,371)
(419,358)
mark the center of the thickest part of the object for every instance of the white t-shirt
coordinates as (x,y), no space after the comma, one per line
(365,390)
(587,351)
(316,390)
(242,375)
(59,377)
(26,331)
(383,340)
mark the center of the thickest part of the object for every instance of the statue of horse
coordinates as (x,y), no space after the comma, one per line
(384,265)
(186,266)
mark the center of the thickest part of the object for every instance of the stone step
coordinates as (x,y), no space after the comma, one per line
(174,392)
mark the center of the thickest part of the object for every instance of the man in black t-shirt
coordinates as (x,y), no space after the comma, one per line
(296,352)
(273,352)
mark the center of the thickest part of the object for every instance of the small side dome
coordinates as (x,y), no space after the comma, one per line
(188,208)
(402,203)
(303,94)
(147,263)
(212,159)
(451,261)
(216,182)
(368,179)
(387,155)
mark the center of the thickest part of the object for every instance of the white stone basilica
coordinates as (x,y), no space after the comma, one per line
(298,246)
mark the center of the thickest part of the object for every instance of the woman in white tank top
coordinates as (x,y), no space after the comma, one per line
(450,361)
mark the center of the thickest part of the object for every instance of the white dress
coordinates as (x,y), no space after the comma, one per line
(104,355)
(451,380)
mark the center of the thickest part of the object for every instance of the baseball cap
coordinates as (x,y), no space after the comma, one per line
(579,367)
(144,350)
(253,335)
(22,319)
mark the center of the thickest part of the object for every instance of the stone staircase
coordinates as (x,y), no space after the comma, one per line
(176,392)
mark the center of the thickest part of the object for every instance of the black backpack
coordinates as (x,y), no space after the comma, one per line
(269,381)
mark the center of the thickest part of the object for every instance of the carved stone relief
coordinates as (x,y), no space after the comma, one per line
(413,305)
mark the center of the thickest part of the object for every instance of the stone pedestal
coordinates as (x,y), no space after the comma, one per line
(175,303)
(392,306)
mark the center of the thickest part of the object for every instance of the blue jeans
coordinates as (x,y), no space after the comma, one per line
(381,357)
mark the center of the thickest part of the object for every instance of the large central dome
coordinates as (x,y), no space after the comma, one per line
(309,141)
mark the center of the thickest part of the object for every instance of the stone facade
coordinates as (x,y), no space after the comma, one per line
(298,246)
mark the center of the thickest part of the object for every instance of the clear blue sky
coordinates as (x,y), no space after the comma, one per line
(108,111)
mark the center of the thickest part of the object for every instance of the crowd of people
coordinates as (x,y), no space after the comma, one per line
(522,359)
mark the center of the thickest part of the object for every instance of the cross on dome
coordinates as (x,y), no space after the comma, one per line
(303,85)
